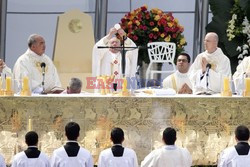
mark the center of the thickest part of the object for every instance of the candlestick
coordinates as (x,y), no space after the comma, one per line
(29,124)
(1,87)
(8,83)
(25,83)
(25,87)
(8,91)
(226,84)
(247,83)
(124,84)
(226,87)
(246,92)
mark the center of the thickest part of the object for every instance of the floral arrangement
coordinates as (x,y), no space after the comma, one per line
(143,26)
(239,27)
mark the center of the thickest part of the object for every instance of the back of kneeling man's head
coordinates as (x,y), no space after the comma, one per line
(31,138)
(72,130)
(242,133)
(169,136)
(117,135)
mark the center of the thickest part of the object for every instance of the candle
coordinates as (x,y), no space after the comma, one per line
(247,84)
(226,84)
(30,124)
(8,83)
(25,83)
(1,87)
(124,84)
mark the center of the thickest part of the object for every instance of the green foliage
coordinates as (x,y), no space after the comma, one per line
(222,13)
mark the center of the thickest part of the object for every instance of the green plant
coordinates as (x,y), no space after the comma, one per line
(229,28)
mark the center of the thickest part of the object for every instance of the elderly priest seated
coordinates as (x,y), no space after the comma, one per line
(35,65)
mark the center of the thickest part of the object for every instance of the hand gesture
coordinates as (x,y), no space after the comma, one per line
(112,32)
(203,64)
(185,89)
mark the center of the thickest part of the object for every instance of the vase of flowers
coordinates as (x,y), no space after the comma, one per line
(144,26)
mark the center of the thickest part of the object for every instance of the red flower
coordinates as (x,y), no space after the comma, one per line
(151,23)
(135,38)
(144,26)
(151,35)
(143,8)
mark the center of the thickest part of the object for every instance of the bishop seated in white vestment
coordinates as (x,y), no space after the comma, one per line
(117,155)
(71,154)
(179,81)
(32,156)
(169,155)
(239,155)
(108,61)
(29,64)
(209,67)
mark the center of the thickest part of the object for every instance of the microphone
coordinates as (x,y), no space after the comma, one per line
(208,66)
(43,65)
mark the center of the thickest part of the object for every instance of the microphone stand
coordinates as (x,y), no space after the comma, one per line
(43,73)
(207,83)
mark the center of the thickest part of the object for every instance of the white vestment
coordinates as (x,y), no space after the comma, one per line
(230,158)
(220,68)
(239,74)
(176,81)
(128,159)
(6,71)
(60,158)
(168,156)
(2,162)
(21,160)
(29,64)
(102,59)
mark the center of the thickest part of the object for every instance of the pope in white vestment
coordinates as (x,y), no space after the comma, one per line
(29,64)
(210,80)
(179,81)
(128,159)
(242,71)
(108,61)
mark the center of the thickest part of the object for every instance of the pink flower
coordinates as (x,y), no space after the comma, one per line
(151,23)
(151,35)
(135,38)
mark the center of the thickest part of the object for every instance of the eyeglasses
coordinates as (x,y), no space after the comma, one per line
(183,60)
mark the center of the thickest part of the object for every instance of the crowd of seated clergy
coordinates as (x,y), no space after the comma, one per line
(206,73)
(168,155)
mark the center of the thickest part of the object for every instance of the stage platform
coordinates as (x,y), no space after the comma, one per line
(205,124)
